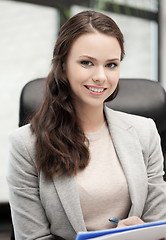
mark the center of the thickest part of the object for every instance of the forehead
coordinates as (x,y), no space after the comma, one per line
(95,44)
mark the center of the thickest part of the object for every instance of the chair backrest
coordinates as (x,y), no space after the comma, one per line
(136,96)
(30,100)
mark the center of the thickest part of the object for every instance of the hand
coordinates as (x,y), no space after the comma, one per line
(130,221)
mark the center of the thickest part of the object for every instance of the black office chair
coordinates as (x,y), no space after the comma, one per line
(137,96)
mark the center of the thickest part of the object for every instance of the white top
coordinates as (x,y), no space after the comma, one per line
(102,185)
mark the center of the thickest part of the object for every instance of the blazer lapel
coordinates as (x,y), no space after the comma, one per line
(129,151)
(67,191)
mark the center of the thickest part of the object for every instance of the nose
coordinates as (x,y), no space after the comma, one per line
(99,75)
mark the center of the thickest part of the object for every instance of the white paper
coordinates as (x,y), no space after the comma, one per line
(146,231)
(150,233)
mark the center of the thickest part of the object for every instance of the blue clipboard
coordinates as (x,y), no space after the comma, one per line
(95,234)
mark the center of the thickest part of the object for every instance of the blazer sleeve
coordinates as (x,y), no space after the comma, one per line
(155,206)
(28,216)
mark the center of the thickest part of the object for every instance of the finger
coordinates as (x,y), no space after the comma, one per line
(130,221)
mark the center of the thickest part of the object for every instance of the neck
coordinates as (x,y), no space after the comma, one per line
(91,119)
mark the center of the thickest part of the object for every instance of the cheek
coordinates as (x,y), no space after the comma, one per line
(114,77)
(78,75)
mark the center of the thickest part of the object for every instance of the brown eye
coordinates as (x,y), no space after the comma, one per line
(111,65)
(86,63)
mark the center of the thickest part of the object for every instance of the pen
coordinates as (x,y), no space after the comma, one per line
(114,220)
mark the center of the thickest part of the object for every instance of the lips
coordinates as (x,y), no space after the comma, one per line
(95,89)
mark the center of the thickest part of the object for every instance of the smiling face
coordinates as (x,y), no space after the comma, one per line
(92,68)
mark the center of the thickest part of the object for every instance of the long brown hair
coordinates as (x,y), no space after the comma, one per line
(61,146)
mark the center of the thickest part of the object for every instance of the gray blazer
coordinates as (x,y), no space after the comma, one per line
(45,209)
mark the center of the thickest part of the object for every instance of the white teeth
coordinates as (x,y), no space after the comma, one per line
(95,89)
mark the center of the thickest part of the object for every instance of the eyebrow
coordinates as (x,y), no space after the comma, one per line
(94,59)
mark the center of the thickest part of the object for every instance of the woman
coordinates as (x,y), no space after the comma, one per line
(79,163)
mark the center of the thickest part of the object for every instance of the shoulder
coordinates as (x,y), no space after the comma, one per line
(22,174)
(23,133)
(22,140)
(127,120)
(144,128)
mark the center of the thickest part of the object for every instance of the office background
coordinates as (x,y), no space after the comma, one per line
(28,31)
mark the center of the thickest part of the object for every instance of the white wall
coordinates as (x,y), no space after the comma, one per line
(27,38)
(163,42)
